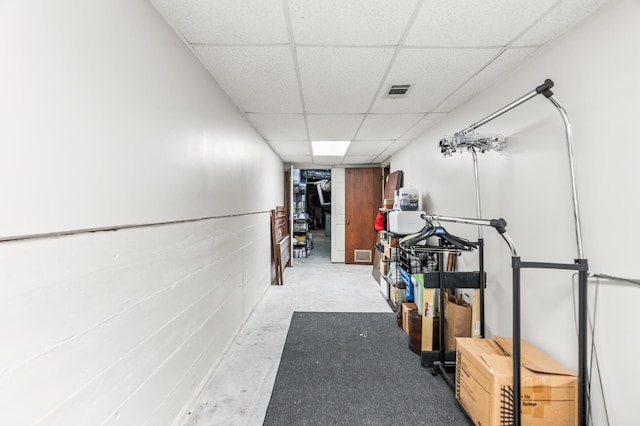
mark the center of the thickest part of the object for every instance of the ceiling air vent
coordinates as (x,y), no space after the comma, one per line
(398,91)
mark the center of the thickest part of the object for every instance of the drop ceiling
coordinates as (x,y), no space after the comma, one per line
(305,70)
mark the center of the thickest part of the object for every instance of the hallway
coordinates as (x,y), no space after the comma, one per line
(238,391)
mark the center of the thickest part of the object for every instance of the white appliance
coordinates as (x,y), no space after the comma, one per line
(405,222)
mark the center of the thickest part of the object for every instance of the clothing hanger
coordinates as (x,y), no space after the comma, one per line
(430,230)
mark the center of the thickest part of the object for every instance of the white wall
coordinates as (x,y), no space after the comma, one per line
(108,120)
(595,68)
(337,215)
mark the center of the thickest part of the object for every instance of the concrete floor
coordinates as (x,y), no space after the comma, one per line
(239,390)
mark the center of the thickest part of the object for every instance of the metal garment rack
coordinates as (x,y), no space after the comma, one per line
(580,264)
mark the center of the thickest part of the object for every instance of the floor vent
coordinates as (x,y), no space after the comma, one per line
(362,256)
(398,91)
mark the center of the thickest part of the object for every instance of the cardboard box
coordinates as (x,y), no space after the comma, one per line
(384,267)
(406,307)
(390,252)
(397,297)
(484,376)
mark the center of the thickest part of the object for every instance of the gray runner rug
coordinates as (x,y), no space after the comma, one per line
(356,369)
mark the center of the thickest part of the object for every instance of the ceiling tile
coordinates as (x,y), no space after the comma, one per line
(327,159)
(397,146)
(354,22)
(435,73)
(296,159)
(333,126)
(359,159)
(291,147)
(368,147)
(460,23)
(226,21)
(341,79)
(280,126)
(561,18)
(423,125)
(485,78)
(381,158)
(258,79)
(386,126)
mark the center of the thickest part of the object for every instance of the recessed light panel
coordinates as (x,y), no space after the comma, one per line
(333,148)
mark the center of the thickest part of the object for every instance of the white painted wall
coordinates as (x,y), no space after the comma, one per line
(337,215)
(596,74)
(107,119)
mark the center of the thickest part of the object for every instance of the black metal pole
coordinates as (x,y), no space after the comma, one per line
(441,321)
(583,390)
(515,263)
(482,284)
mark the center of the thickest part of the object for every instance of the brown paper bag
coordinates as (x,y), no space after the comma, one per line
(457,320)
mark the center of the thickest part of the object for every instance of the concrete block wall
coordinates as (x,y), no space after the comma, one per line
(121,327)
(135,227)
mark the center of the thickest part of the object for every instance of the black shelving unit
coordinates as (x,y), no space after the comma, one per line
(441,360)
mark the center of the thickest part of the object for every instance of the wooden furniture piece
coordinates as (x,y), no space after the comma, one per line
(281,241)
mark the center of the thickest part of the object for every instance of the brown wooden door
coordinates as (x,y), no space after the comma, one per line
(363,198)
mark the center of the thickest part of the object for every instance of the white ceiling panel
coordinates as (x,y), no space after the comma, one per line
(359,159)
(381,158)
(280,126)
(423,125)
(327,159)
(398,145)
(297,159)
(435,74)
(302,69)
(368,147)
(226,21)
(341,79)
(458,23)
(386,126)
(354,22)
(561,18)
(291,147)
(333,126)
(485,78)
(258,79)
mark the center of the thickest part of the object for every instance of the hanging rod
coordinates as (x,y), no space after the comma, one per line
(545,89)
(499,225)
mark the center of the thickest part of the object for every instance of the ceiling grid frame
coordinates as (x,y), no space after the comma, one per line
(398,46)
(235,31)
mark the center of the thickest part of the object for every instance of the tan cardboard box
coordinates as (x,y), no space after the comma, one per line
(390,252)
(406,307)
(397,297)
(384,267)
(484,376)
